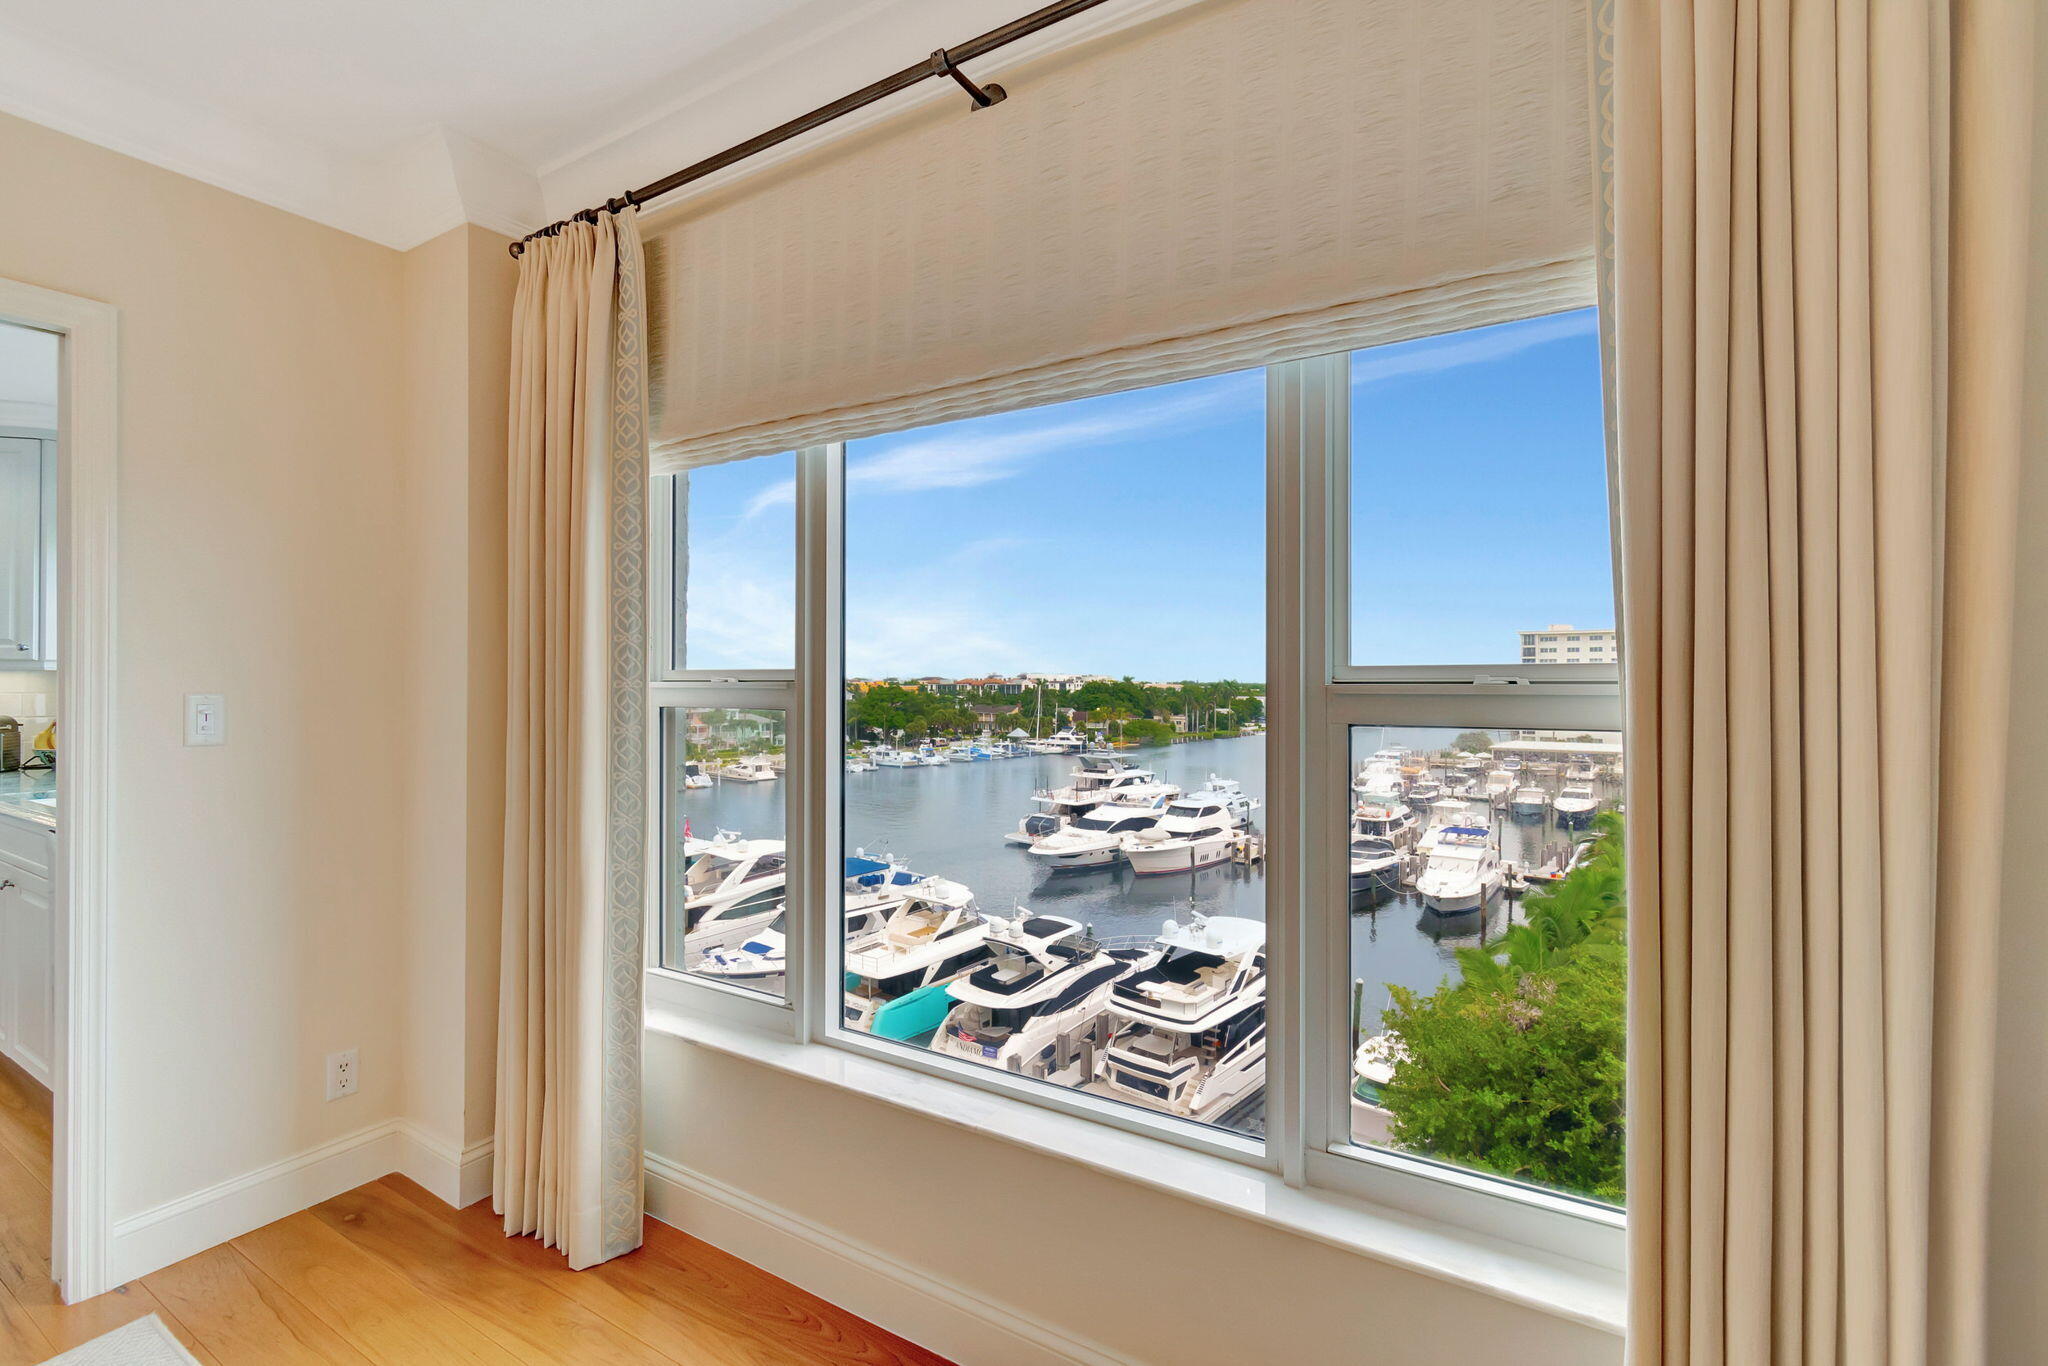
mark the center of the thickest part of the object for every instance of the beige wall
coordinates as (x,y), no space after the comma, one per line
(280,523)
(457,296)
(1156,1277)
(2019,1229)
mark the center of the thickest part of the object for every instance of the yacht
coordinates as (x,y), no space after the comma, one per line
(1423,791)
(873,886)
(1580,770)
(695,779)
(1094,782)
(886,756)
(856,763)
(1390,820)
(755,768)
(1529,804)
(1461,872)
(1372,1067)
(1095,838)
(1379,778)
(896,980)
(1036,1006)
(1197,831)
(1499,783)
(733,887)
(928,757)
(1375,869)
(1191,1031)
(1459,783)
(1575,805)
(1068,741)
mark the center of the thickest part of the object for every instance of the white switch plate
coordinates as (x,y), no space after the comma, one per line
(206,718)
(342,1069)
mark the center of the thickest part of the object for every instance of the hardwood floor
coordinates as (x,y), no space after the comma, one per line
(389,1274)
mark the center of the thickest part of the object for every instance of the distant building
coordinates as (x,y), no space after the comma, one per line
(1559,644)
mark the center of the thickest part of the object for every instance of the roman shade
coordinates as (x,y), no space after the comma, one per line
(1233,182)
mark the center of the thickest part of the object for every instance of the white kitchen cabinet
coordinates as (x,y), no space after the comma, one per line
(28,548)
(28,948)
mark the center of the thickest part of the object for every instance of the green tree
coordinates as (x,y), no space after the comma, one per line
(1526,1082)
(1473,742)
(1517,1067)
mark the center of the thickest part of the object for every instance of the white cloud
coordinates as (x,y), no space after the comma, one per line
(957,455)
(1470,348)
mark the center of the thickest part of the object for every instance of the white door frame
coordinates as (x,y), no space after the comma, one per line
(88,424)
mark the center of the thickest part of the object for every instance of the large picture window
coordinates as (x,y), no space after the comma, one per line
(1234,760)
(1055,632)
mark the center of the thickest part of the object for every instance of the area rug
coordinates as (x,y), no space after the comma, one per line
(145,1342)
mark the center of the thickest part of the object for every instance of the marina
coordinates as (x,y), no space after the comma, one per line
(1047,859)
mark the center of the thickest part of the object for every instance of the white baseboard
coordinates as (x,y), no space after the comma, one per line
(173,1231)
(461,1178)
(915,1303)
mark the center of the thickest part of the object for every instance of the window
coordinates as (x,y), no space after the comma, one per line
(966,762)
(1069,896)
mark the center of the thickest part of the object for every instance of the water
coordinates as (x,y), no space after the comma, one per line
(950,821)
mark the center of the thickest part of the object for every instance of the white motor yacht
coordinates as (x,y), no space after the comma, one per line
(1529,804)
(1499,782)
(1095,838)
(1093,782)
(1375,869)
(1198,830)
(755,768)
(896,980)
(873,887)
(1067,741)
(1036,1006)
(1575,805)
(733,887)
(1461,871)
(1192,1037)
(1372,1067)
(856,763)
(695,779)
(1423,791)
(1580,770)
(1385,818)
(1379,779)
(886,756)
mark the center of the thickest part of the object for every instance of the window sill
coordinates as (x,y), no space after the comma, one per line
(1577,1291)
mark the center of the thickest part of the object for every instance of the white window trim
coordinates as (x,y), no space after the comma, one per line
(1314,695)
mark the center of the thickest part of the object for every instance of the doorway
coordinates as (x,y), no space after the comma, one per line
(58,420)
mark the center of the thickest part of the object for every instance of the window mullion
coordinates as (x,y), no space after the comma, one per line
(815,804)
(1305,417)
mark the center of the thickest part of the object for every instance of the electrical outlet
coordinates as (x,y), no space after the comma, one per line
(343,1071)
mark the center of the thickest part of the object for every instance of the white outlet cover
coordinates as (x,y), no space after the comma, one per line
(344,1073)
(206,718)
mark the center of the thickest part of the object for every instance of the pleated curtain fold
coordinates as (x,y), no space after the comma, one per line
(568,1138)
(1820,244)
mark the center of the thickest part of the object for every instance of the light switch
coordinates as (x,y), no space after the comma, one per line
(206,718)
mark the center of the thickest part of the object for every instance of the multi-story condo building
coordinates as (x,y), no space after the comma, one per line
(1560,644)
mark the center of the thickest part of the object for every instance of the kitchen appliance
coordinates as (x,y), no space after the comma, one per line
(10,744)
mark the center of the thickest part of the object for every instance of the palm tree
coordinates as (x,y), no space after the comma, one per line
(1586,913)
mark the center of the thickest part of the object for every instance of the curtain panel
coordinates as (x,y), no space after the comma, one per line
(1235,182)
(1820,218)
(568,1145)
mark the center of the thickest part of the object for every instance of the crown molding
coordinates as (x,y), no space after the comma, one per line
(400,198)
(413,192)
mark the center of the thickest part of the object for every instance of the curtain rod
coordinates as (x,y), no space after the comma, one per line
(944,62)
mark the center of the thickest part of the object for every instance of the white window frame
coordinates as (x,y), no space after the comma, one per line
(1313,696)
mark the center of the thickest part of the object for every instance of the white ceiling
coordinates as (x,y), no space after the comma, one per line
(397,119)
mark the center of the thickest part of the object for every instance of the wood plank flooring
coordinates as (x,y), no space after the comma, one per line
(389,1274)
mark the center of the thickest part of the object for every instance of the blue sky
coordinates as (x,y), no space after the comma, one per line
(1125,534)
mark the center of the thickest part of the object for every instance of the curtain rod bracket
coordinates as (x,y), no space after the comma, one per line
(983,95)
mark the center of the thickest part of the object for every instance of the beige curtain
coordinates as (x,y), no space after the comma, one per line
(1820,227)
(569,1166)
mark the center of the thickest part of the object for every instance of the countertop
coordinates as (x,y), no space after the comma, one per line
(18,793)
